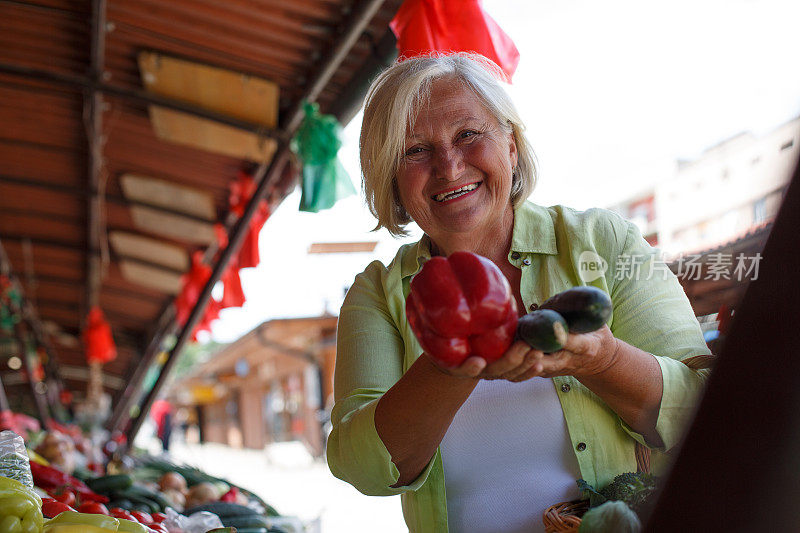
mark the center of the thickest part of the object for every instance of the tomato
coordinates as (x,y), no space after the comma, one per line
(142,517)
(158,517)
(158,528)
(66,496)
(51,507)
(116,512)
(93,508)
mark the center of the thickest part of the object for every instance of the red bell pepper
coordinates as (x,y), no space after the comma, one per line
(49,478)
(230,496)
(462,306)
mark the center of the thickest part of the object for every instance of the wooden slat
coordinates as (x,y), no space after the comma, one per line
(149,249)
(225,91)
(154,278)
(174,226)
(182,128)
(341,247)
(169,195)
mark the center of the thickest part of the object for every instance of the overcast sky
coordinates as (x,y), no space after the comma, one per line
(611,92)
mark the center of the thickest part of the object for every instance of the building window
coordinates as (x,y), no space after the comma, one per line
(760,211)
(788,144)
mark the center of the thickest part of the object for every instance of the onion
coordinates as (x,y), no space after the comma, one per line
(172,480)
(202,493)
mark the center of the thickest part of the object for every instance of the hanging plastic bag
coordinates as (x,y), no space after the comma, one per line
(249,256)
(193,283)
(425,26)
(100,346)
(324,178)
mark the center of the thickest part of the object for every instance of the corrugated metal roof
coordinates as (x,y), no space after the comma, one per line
(45,77)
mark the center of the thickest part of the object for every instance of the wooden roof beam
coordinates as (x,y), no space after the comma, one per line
(132,95)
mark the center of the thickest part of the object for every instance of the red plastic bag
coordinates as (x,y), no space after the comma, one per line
(248,253)
(232,294)
(211,314)
(241,190)
(193,283)
(97,336)
(424,26)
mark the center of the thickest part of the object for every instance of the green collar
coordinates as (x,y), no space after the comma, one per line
(533,230)
(533,233)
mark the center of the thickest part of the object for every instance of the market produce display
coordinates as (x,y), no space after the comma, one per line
(460,306)
(20,508)
(133,494)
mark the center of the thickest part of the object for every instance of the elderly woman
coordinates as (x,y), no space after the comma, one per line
(487,447)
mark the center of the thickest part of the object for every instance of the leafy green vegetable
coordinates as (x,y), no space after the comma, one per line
(588,492)
(632,488)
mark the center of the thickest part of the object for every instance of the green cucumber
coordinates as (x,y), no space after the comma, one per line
(143,504)
(122,503)
(139,491)
(222,509)
(543,330)
(112,483)
(254,520)
(584,308)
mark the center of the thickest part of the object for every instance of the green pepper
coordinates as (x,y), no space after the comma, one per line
(74,522)
(129,526)
(20,508)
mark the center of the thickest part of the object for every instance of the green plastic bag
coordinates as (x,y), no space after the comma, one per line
(324,178)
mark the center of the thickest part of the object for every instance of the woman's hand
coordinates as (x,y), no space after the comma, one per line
(584,354)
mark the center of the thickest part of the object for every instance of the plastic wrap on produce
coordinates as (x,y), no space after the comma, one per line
(14,462)
(196,523)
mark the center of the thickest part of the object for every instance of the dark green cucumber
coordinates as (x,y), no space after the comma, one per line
(253,520)
(122,503)
(584,308)
(107,484)
(83,473)
(136,493)
(543,330)
(222,509)
(138,503)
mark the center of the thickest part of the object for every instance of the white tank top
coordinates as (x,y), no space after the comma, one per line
(507,457)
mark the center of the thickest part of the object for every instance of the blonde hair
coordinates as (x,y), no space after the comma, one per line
(390,107)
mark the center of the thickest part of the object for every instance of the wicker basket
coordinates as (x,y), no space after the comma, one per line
(565,517)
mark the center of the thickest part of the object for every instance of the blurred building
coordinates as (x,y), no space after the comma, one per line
(729,191)
(273,384)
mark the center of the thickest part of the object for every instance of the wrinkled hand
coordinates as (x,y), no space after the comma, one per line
(584,354)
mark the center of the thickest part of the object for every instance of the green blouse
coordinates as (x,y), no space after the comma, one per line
(555,248)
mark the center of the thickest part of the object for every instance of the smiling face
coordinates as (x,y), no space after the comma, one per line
(455,178)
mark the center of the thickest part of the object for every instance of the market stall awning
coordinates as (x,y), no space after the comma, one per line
(114,169)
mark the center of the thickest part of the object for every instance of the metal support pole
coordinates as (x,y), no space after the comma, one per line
(38,398)
(4,406)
